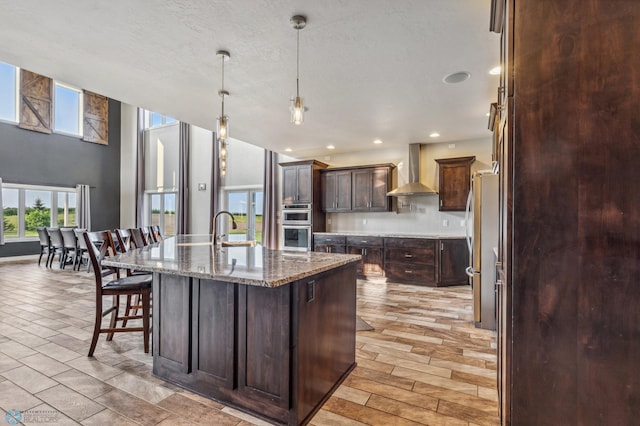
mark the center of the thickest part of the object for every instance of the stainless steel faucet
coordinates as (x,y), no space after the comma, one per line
(215,227)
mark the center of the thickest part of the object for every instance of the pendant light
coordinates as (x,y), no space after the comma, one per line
(223,120)
(298,22)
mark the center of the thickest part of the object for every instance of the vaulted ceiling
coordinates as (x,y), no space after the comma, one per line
(369,69)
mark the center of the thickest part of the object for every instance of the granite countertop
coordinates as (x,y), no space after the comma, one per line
(392,235)
(194,256)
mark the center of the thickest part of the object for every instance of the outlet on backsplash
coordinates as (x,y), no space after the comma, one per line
(445,222)
(462,223)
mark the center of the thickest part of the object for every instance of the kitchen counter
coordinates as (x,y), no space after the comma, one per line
(269,332)
(194,256)
(392,235)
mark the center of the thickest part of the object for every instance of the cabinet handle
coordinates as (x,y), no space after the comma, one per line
(440,203)
(441,246)
(408,256)
(408,271)
(363,241)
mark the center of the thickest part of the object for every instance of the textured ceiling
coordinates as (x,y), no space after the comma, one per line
(369,69)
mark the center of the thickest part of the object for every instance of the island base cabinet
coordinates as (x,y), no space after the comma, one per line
(276,352)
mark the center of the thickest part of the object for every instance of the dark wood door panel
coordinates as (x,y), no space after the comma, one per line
(215,322)
(264,354)
(172,300)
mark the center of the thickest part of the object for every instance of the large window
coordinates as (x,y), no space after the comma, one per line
(8,92)
(154,119)
(27,207)
(247,207)
(163,211)
(162,152)
(67,104)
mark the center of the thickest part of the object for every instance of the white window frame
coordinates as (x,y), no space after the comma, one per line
(149,209)
(248,190)
(80,109)
(147,120)
(16,98)
(53,214)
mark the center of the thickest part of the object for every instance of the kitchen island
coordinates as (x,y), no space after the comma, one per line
(269,332)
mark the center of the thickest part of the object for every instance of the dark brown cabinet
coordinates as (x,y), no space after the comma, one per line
(329,243)
(301,182)
(357,189)
(453,259)
(371,250)
(369,188)
(454,182)
(410,260)
(337,191)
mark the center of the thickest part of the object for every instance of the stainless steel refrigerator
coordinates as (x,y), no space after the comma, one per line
(482,240)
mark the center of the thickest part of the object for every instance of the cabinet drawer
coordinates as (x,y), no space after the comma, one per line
(365,241)
(329,239)
(409,255)
(410,243)
(402,272)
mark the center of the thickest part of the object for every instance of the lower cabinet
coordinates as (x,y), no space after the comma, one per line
(371,249)
(453,258)
(329,243)
(410,260)
(405,260)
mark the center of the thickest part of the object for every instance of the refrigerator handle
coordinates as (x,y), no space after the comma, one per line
(469,271)
(467,216)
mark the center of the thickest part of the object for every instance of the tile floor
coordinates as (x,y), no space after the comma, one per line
(423,364)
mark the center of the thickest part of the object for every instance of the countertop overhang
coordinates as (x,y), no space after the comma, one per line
(195,256)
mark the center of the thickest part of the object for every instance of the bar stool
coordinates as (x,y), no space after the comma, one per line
(100,245)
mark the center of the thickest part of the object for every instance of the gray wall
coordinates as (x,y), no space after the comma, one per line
(56,160)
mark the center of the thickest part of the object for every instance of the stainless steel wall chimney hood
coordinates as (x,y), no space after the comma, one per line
(414,187)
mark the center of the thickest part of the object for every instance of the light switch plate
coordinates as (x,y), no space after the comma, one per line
(202,187)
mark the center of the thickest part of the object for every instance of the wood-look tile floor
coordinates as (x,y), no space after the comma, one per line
(425,363)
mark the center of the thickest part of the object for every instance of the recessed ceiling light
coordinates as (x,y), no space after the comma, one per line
(331,147)
(288,149)
(434,135)
(457,77)
(377,141)
(495,70)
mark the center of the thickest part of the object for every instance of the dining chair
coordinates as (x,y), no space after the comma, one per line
(57,245)
(124,239)
(45,244)
(82,250)
(100,245)
(70,243)
(147,236)
(138,239)
(157,234)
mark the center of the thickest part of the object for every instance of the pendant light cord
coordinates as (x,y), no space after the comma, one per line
(222,56)
(298,63)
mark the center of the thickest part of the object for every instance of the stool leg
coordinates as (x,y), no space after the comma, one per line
(96,327)
(127,310)
(114,317)
(146,308)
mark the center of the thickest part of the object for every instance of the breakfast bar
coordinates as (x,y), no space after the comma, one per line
(269,332)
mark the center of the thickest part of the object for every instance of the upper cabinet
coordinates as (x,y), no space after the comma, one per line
(455,182)
(300,180)
(357,189)
(337,191)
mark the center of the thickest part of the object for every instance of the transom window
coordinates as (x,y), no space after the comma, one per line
(154,119)
(8,92)
(27,207)
(67,113)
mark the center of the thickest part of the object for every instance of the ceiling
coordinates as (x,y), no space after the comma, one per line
(369,69)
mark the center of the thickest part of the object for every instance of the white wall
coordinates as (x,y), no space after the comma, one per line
(418,214)
(201,153)
(128,139)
